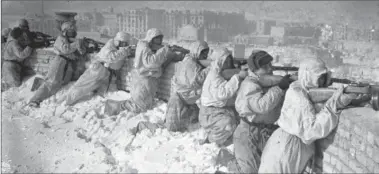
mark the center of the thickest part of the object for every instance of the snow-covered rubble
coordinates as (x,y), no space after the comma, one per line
(145,152)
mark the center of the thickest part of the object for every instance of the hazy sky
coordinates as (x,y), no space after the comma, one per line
(348,11)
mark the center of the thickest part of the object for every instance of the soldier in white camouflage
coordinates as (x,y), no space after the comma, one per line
(151,55)
(97,78)
(187,84)
(62,68)
(13,57)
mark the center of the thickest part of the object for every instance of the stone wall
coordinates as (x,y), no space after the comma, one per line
(40,60)
(353,147)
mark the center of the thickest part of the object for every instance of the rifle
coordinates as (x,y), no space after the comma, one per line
(175,57)
(333,80)
(285,68)
(96,45)
(40,34)
(42,37)
(370,91)
(318,95)
(180,49)
(239,62)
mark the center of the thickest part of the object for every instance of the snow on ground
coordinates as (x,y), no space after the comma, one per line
(162,151)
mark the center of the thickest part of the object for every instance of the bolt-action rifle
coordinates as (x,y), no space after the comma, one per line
(369,91)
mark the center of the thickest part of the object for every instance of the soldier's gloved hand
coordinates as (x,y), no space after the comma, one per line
(155,47)
(29,34)
(174,48)
(285,82)
(47,43)
(242,74)
(345,99)
(81,42)
(91,50)
(32,45)
(127,50)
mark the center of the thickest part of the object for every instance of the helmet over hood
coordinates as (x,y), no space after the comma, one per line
(152,33)
(258,58)
(197,47)
(310,71)
(219,56)
(122,36)
(67,26)
(22,22)
(5,32)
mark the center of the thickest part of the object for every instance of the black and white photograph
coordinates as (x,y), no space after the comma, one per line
(189,86)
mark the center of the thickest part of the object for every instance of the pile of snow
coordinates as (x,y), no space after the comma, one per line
(145,152)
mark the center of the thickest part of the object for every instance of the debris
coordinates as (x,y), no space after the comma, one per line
(109,159)
(46,125)
(80,135)
(81,167)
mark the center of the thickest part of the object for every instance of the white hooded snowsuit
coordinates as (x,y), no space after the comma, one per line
(290,147)
(259,107)
(12,68)
(145,76)
(187,84)
(99,75)
(217,114)
(62,69)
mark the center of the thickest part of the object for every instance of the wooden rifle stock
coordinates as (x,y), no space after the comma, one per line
(318,95)
(284,68)
(42,37)
(239,62)
(229,73)
(205,62)
(37,33)
(97,45)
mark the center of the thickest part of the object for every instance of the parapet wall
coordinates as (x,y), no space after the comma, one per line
(353,147)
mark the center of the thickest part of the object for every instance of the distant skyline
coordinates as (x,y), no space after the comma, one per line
(352,12)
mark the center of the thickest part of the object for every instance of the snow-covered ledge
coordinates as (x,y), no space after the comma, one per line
(353,147)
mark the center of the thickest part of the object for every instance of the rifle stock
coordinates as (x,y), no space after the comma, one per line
(94,42)
(285,68)
(333,80)
(40,37)
(229,73)
(318,95)
(205,62)
(239,62)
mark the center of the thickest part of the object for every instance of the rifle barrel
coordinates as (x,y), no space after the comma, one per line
(343,81)
(284,68)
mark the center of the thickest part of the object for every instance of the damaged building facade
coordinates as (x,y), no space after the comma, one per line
(216,26)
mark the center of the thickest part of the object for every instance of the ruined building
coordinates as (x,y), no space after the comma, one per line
(217,25)
(43,23)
